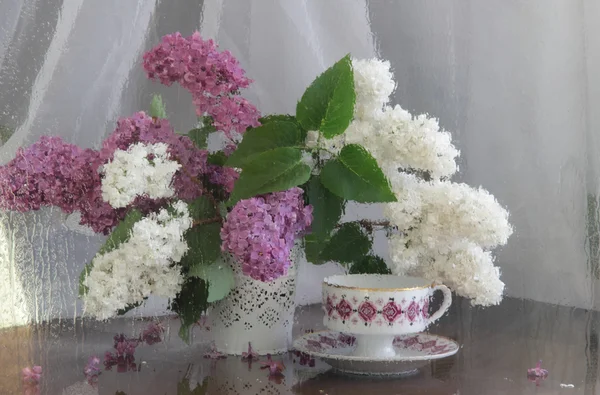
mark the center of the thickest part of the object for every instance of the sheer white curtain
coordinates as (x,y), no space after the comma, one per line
(518,85)
(515,82)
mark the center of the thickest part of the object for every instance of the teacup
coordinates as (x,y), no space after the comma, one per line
(376,308)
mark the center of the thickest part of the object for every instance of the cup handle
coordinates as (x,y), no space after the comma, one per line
(445,304)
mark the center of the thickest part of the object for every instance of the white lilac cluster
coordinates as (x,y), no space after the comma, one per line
(143,265)
(395,138)
(469,270)
(373,83)
(141,170)
(445,229)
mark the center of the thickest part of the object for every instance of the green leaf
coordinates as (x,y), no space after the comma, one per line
(202,208)
(276,170)
(119,235)
(129,307)
(200,134)
(355,175)
(121,232)
(82,276)
(157,107)
(277,117)
(204,242)
(270,136)
(327,104)
(347,245)
(183,387)
(189,304)
(313,247)
(219,278)
(218,158)
(370,264)
(327,208)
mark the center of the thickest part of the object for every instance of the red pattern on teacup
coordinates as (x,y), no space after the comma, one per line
(358,312)
(428,344)
(344,309)
(367,311)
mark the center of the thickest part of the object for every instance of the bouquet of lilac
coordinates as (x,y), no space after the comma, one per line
(171,208)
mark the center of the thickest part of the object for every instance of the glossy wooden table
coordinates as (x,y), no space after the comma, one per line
(498,345)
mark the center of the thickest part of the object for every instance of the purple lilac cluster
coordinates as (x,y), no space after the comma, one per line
(260,232)
(153,334)
(31,380)
(54,173)
(214,78)
(48,173)
(223,176)
(123,356)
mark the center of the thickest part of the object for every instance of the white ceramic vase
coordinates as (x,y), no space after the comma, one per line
(256,312)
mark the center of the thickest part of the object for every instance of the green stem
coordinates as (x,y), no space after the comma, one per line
(207,221)
(369,225)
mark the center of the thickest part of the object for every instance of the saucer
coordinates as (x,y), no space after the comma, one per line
(413,351)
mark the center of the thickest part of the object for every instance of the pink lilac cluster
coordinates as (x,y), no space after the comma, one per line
(31,375)
(537,374)
(251,355)
(123,357)
(223,176)
(213,77)
(276,368)
(92,370)
(48,173)
(124,348)
(260,232)
(31,380)
(213,353)
(152,334)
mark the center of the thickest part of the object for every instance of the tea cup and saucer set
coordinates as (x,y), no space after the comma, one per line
(376,325)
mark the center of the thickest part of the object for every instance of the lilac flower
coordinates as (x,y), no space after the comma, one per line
(153,333)
(276,368)
(213,353)
(250,355)
(229,113)
(48,173)
(260,232)
(124,363)
(92,370)
(142,128)
(224,176)
(537,374)
(32,375)
(123,357)
(125,346)
(214,78)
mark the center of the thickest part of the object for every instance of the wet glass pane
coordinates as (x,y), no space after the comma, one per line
(515,83)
